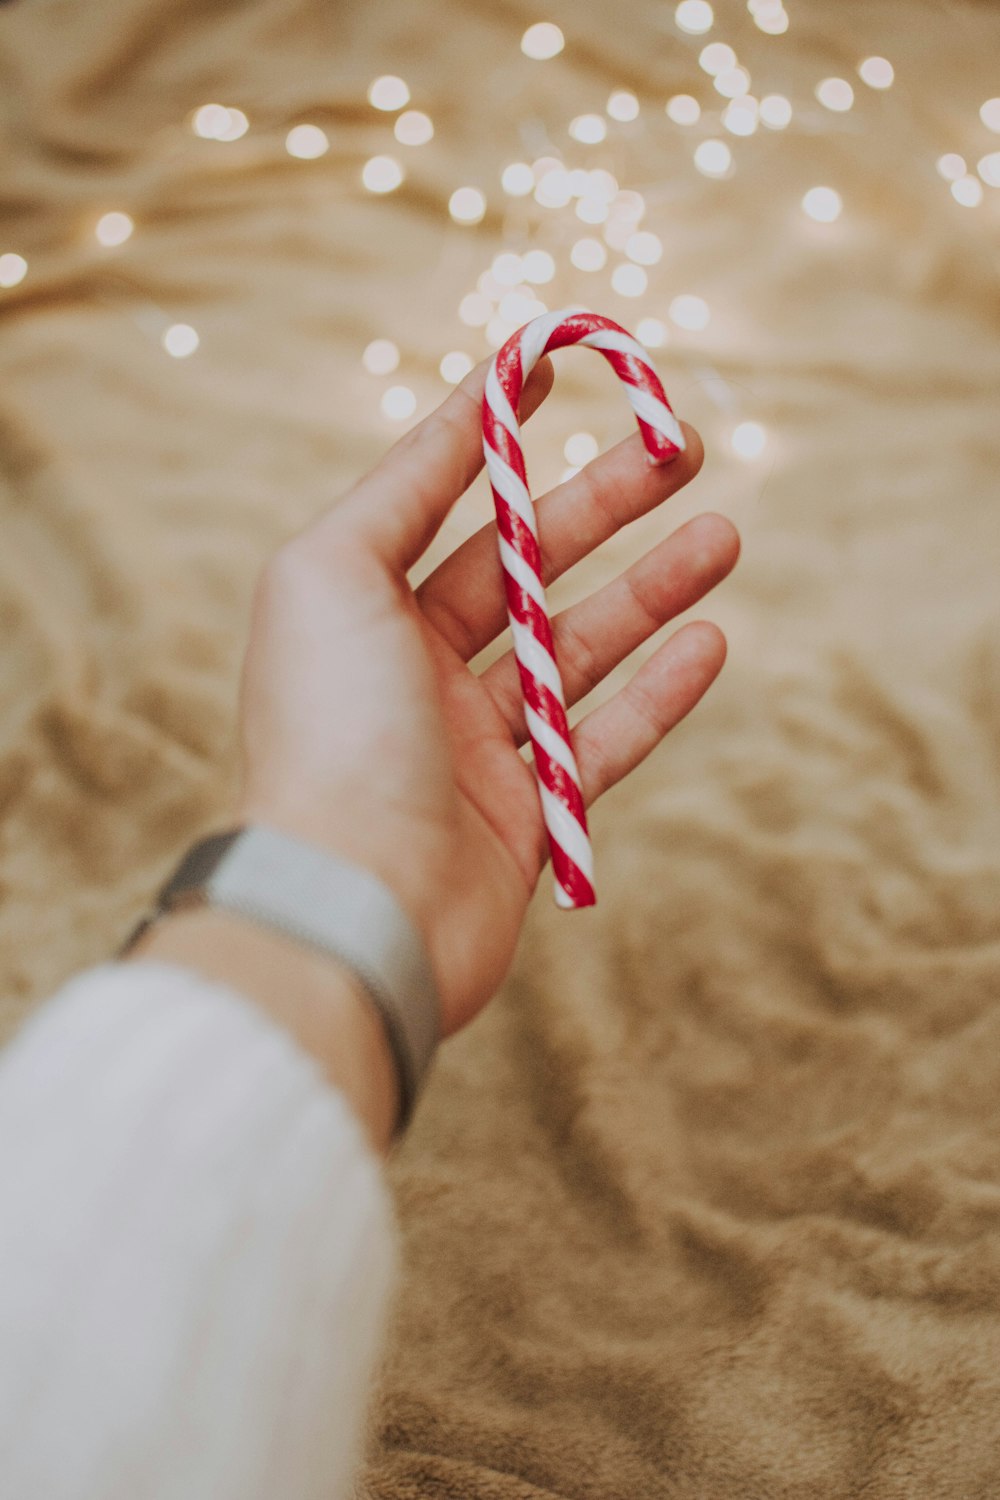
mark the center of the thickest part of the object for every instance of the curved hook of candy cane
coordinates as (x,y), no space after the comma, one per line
(557,773)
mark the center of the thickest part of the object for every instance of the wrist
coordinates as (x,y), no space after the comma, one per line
(315,998)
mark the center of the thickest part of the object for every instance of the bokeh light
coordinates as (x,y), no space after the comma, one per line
(690,312)
(542,41)
(629,280)
(694,16)
(717,57)
(775,111)
(835,94)
(652,332)
(589,255)
(771,19)
(589,129)
(307,142)
(952,166)
(968,191)
(413,128)
(554,189)
(382,174)
(13,269)
(214,122)
(713,158)
(644,248)
(388,92)
(988,168)
(455,366)
(823,204)
(623,105)
(507,269)
(684,109)
(580,448)
(538,267)
(518,179)
(740,115)
(990,115)
(398,403)
(877,72)
(475,310)
(380,357)
(748,440)
(732,82)
(180,340)
(113,229)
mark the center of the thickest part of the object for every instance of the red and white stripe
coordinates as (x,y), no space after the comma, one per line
(544,701)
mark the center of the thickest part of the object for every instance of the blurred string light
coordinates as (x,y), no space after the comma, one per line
(380,357)
(589,129)
(589,255)
(822,204)
(629,280)
(952,166)
(413,128)
(775,111)
(622,105)
(580,448)
(877,72)
(690,312)
(769,16)
(455,366)
(748,440)
(740,115)
(13,269)
(398,403)
(505,295)
(713,158)
(645,248)
(214,122)
(732,82)
(113,229)
(542,41)
(467,205)
(180,340)
(694,16)
(518,179)
(835,94)
(382,174)
(388,93)
(717,58)
(307,142)
(968,191)
(651,332)
(475,310)
(684,109)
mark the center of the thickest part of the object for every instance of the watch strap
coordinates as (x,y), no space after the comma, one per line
(326,902)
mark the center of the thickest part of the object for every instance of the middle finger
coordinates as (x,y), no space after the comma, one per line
(464,597)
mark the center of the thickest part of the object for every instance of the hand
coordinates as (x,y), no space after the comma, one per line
(363,728)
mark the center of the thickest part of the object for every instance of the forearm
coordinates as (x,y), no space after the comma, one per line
(307,992)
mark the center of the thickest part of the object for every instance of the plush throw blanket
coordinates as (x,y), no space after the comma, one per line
(707,1202)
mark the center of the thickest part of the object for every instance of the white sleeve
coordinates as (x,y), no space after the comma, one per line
(197,1251)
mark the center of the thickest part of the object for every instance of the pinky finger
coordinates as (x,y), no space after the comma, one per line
(613,739)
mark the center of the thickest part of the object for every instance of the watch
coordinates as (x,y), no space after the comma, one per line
(282,882)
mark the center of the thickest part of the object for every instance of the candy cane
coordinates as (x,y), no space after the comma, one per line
(544,700)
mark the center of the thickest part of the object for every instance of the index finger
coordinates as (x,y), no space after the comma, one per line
(399,506)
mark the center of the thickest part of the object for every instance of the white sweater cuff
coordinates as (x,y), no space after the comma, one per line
(197,1250)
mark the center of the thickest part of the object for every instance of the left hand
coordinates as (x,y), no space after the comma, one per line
(363,728)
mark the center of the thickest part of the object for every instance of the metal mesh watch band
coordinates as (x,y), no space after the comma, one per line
(343,909)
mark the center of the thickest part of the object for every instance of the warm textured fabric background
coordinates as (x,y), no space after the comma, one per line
(707,1202)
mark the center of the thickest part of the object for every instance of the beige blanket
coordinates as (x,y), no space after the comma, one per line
(707,1202)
